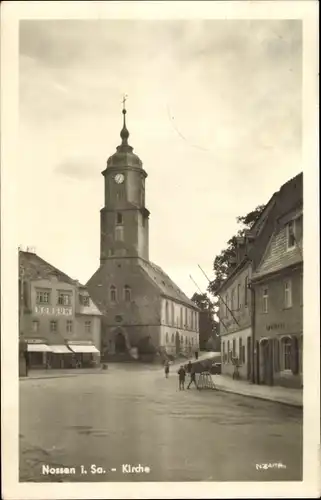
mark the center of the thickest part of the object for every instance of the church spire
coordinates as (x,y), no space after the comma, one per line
(124,134)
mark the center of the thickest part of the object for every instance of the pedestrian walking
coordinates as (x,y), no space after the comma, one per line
(166,369)
(181,378)
(189,367)
(193,378)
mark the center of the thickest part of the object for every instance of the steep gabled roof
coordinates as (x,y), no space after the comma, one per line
(34,267)
(165,284)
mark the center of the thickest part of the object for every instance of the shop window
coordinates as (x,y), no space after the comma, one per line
(43,297)
(53,326)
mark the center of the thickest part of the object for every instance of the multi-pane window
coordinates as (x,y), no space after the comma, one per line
(64,298)
(290,234)
(173,315)
(53,326)
(246,287)
(181,318)
(265,300)
(87,326)
(84,300)
(238,296)
(186,317)
(127,293)
(287,294)
(113,295)
(69,326)
(286,344)
(35,326)
(43,297)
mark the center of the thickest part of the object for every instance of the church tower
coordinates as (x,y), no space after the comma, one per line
(124,218)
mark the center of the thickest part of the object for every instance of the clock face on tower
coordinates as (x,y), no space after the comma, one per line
(119,178)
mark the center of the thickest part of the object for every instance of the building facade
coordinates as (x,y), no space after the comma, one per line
(236,324)
(278,285)
(143,311)
(261,300)
(58,319)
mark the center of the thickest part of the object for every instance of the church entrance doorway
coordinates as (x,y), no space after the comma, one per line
(120,343)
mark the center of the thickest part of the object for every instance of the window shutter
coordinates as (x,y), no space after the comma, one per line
(294,356)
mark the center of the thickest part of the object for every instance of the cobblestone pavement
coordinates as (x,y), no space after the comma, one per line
(131,416)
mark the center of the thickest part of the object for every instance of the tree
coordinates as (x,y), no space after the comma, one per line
(208,326)
(222,262)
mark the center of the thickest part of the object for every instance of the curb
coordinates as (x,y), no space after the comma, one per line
(65,375)
(255,396)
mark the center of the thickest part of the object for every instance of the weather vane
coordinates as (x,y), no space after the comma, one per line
(125,97)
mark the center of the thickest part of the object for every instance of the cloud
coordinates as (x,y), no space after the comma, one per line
(76,168)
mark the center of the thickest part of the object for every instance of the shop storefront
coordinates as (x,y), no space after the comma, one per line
(85,354)
(59,357)
(37,352)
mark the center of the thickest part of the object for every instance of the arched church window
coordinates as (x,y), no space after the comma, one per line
(119,218)
(127,291)
(166,313)
(113,294)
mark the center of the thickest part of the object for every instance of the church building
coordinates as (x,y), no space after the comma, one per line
(143,311)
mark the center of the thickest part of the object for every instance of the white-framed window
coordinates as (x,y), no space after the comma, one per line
(35,326)
(286,353)
(265,300)
(88,326)
(64,298)
(113,293)
(127,293)
(53,326)
(246,287)
(69,326)
(290,235)
(288,294)
(43,296)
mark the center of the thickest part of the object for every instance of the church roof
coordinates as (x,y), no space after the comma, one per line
(124,156)
(165,284)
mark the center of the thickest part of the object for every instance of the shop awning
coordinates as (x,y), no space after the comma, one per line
(60,349)
(38,348)
(83,348)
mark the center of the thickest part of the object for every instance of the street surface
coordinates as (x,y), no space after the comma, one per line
(132,415)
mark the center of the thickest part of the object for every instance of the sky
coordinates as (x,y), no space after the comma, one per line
(213,111)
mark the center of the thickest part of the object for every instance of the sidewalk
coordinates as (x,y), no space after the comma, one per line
(291,397)
(58,373)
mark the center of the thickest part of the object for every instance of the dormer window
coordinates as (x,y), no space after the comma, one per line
(290,235)
(113,294)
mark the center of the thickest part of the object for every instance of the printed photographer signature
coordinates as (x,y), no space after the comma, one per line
(270,465)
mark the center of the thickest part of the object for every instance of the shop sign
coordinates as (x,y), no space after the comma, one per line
(35,341)
(54,311)
(275,326)
(80,342)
